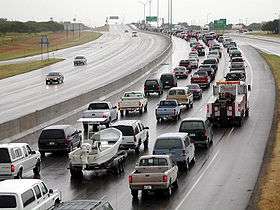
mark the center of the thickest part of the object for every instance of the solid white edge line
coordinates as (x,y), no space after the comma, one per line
(202,174)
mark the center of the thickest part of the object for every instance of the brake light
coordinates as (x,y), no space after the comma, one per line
(165,178)
(13,168)
(145,87)
(130,179)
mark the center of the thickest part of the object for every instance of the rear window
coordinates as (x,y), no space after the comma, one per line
(153,162)
(191,125)
(151,82)
(167,103)
(95,106)
(7,201)
(4,156)
(53,74)
(136,95)
(193,87)
(168,144)
(166,77)
(201,73)
(126,130)
(52,134)
(209,61)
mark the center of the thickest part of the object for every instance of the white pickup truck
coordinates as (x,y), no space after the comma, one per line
(16,159)
(133,101)
(154,173)
(103,112)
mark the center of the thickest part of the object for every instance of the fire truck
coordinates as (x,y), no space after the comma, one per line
(229,104)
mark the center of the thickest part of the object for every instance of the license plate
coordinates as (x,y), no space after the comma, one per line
(52,143)
(192,134)
(166,82)
(147,187)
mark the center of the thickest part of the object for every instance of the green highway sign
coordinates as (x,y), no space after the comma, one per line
(220,24)
(151,18)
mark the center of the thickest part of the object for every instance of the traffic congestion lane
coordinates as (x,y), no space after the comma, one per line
(28,92)
(116,188)
(228,181)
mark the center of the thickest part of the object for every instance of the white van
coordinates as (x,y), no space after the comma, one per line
(27,194)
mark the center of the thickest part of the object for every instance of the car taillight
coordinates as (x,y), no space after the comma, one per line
(130,179)
(145,87)
(158,87)
(165,178)
(13,168)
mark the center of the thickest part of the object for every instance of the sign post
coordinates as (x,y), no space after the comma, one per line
(44,42)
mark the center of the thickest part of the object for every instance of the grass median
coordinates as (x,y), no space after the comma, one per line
(18,45)
(10,70)
(265,34)
(269,195)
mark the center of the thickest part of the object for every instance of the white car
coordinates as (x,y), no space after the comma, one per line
(17,159)
(27,194)
(134,134)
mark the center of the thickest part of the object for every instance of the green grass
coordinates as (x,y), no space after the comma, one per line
(10,70)
(265,34)
(270,184)
(18,45)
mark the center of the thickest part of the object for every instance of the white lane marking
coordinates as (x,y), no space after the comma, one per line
(202,174)
(265,50)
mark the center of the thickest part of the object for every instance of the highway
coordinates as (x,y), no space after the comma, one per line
(223,176)
(110,57)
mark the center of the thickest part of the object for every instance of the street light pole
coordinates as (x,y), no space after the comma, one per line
(150,8)
(157,13)
(144,6)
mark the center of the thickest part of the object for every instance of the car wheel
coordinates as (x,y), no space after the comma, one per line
(141,110)
(168,191)
(207,145)
(37,168)
(121,111)
(19,175)
(187,166)
(43,154)
(134,194)
(146,108)
(175,184)
(137,150)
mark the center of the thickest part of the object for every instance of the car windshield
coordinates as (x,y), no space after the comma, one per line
(4,156)
(168,144)
(95,106)
(52,134)
(53,74)
(193,87)
(180,69)
(126,130)
(7,202)
(168,103)
(237,60)
(153,162)
(185,62)
(136,95)
(209,61)
(166,77)
(151,82)
(201,73)
(79,57)
(191,125)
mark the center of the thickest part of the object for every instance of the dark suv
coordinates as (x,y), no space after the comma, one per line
(59,138)
(152,86)
(168,80)
(199,130)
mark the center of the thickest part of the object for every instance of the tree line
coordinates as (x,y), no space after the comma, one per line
(28,27)
(272,26)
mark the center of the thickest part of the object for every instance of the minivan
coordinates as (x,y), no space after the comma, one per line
(59,138)
(168,80)
(178,145)
(199,129)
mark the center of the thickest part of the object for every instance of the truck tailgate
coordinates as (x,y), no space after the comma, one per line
(147,178)
(166,111)
(130,103)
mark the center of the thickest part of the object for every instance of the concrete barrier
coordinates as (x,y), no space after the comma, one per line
(11,130)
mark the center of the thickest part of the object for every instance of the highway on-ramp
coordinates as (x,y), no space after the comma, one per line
(113,56)
(223,176)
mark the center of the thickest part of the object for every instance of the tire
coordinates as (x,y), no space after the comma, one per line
(191,105)
(121,112)
(85,127)
(126,112)
(158,119)
(134,194)
(187,106)
(137,150)
(57,202)
(175,184)
(239,123)
(247,113)
(146,143)
(193,161)
(76,172)
(146,108)
(141,110)
(207,145)
(187,166)
(168,191)
(37,168)
(43,154)
(19,174)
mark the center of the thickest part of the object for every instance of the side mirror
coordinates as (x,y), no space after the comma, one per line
(51,191)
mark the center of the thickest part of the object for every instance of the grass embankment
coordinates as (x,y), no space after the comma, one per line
(269,197)
(10,70)
(102,28)
(17,45)
(265,34)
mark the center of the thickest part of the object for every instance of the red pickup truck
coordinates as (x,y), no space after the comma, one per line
(201,78)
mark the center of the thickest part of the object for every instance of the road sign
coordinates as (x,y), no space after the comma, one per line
(151,18)
(114,17)
(220,24)
(44,40)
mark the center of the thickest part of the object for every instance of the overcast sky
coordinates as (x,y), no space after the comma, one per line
(94,12)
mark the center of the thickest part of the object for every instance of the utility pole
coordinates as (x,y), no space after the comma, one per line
(157,13)
(144,6)
(150,8)
(170,15)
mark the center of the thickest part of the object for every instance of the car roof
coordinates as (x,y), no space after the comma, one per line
(17,185)
(137,92)
(172,135)
(154,156)
(12,145)
(57,127)
(236,72)
(125,122)
(178,88)
(194,119)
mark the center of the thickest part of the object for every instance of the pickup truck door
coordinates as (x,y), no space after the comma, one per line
(46,197)
(28,160)
(142,132)
(173,171)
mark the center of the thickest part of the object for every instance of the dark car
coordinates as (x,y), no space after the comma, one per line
(59,138)
(54,77)
(235,53)
(213,62)
(168,80)
(186,63)
(236,76)
(210,71)
(200,50)
(199,129)
(153,86)
(196,91)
